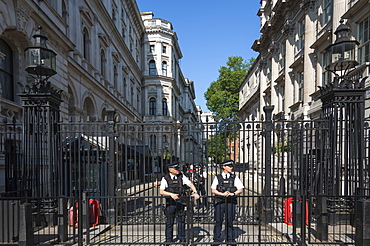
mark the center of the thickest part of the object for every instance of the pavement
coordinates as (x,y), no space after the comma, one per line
(153,234)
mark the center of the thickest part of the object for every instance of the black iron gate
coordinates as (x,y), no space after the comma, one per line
(109,175)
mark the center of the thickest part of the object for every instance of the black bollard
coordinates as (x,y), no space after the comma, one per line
(25,225)
(62,219)
(362,217)
(322,219)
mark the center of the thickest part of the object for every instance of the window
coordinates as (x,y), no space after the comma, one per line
(102,63)
(114,15)
(326,75)
(364,39)
(86,44)
(283,55)
(164,68)
(282,97)
(300,83)
(152,68)
(164,49)
(151,48)
(153,142)
(269,70)
(164,142)
(326,11)
(123,32)
(6,70)
(152,106)
(64,12)
(164,106)
(124,89)
(115,77)
(301,30)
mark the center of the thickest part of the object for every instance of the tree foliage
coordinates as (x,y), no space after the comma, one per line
(222,95)
(217,148)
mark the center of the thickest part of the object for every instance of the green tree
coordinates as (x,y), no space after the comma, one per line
(223,94)
(217,148)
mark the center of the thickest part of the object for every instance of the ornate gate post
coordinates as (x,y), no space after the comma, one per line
(41,113)
(112,168)
(41,139)
(268,216)
(343,107)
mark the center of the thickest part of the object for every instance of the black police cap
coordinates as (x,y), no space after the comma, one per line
(227,163)
(173,165)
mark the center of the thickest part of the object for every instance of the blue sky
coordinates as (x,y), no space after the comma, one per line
(209,31)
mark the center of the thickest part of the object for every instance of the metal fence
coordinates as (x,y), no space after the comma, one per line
(106,176)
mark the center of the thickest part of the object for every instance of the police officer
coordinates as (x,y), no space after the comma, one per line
(172,186)
(226,187)
(198,178)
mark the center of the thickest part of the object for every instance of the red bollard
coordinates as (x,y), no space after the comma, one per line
(288,211)
(73,216)
(94,212)
(94,207)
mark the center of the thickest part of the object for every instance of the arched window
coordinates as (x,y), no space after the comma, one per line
(6,71)
(152,68)
(164,68)
(86,44)
(64,12)
(164,106)
(152,106)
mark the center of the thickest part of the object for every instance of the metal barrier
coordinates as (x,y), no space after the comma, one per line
(120,165)
(140,220)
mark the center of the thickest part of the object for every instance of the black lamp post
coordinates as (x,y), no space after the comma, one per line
(41,114)
(342,52)
(40,60)
(343,107)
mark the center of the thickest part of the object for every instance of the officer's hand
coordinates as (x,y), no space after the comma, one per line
(227,193)
(175,196)
(196,196)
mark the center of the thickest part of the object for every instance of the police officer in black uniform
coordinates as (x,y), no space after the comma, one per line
(172,186)
(198,177)
(226,187)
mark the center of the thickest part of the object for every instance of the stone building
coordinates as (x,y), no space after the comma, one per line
(104,61)
(290,68)
(293,55)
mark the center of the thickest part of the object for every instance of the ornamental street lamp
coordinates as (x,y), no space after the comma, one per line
(40,60)
(41,114)
(343,108)
(342,51)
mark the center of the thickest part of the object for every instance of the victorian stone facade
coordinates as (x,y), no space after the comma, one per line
(103,63)
(290,67)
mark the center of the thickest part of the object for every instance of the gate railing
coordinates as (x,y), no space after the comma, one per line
(136,154)
(140,220)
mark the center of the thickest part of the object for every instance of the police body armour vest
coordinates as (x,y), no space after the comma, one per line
(226,185)
(174,186)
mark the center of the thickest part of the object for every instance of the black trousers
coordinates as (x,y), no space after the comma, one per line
(175,210)
(224,211)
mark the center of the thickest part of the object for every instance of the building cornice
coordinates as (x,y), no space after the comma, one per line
(355,9)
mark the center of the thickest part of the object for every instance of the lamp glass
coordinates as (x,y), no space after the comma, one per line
(40,61)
